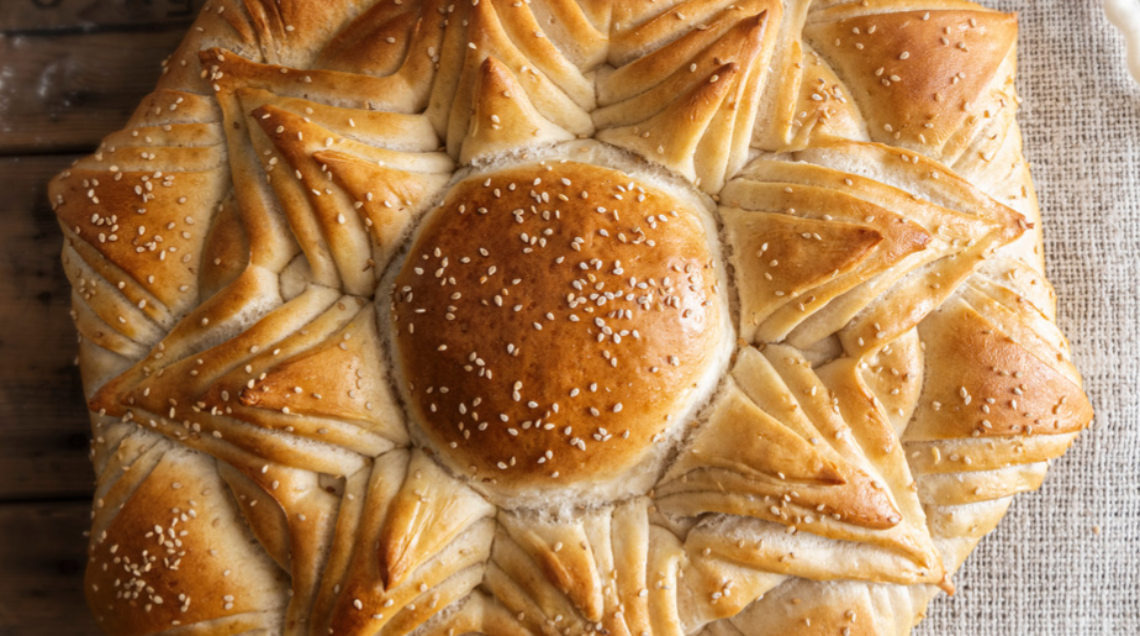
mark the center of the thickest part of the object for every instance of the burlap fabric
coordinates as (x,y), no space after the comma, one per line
(1066,560)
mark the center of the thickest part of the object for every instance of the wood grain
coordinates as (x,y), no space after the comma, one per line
(42,556)
(89,15)
(63,93)
(43,422)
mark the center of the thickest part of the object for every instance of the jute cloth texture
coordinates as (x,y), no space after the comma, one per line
(1066,559)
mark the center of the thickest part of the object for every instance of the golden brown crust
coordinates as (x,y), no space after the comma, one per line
(614,275)
(165,558)
(236,250)
(503,117)
(156,233)
(915,74)
(996,387)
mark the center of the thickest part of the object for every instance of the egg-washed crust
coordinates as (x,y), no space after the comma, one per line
(833,190)
(616,276)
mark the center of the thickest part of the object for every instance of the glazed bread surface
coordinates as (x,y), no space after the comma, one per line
(562,317)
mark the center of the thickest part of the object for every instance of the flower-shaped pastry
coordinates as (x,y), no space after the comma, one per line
(562,317)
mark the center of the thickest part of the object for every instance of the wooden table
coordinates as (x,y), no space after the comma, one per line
(71,71)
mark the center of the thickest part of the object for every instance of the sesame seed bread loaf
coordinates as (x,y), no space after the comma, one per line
(562,317)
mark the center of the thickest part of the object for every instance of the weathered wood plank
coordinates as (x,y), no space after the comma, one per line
(42,555)
(63,93)
(43,423)
(42,15)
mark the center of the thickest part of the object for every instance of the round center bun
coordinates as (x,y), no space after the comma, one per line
(553,321)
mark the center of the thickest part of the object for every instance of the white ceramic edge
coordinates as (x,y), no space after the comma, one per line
(1125,16)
